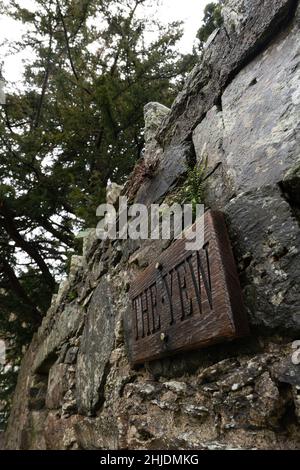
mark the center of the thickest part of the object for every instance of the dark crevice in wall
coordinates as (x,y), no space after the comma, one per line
(45,367)
(39,384)
(99,405)
(290,191)
(253,82)
(130,380)
(227,34)
(197,122)
(212,171)
(289,417)
(277,335)
(219,104)
(38,392)
(191,158)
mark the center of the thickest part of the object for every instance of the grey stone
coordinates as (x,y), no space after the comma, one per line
(62,353)
(208,142)
(261,115)
(37,393)
(172,164)
(57,386)
(166,405)
(154,113)
(69,404)
(71,355)
(177,387)
(59,432)
(100,433)
(254,140)
(194,410)
(211,38)
(214,372)
(63,289)
(95,348)
(242,376)
(90,242)
(144,256)
(145,390)
(263,227)
(113,192)
(288,372)
(221,61)
(66,325)
(76,265)
(235,14)
(268,408)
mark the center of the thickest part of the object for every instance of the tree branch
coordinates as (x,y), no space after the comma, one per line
(8,223)
(16,286)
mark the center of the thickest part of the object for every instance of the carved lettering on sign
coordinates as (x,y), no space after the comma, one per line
(187,299)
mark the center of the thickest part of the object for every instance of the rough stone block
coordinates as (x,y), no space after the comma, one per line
(95,349)
(65,326)
(266,243)
(208,142)
(57,386)
(261,115)
(172,164)
(226,55)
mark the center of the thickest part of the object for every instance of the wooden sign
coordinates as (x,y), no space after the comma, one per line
(187,299)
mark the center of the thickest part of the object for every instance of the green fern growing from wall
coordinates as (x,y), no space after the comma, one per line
(193,189)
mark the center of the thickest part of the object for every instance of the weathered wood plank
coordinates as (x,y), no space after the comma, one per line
(187,299)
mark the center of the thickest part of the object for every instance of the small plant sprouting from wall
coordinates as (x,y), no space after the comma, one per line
(193,189)
(72,295)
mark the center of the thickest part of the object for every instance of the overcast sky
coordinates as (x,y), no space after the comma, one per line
(189,11)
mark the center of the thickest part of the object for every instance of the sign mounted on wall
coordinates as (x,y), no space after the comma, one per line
(187,299)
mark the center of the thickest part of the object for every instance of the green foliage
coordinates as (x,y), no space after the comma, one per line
(72,295)
(8,380)
(212,19)
(192,190)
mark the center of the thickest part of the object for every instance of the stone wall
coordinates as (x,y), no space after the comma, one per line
(238,116)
